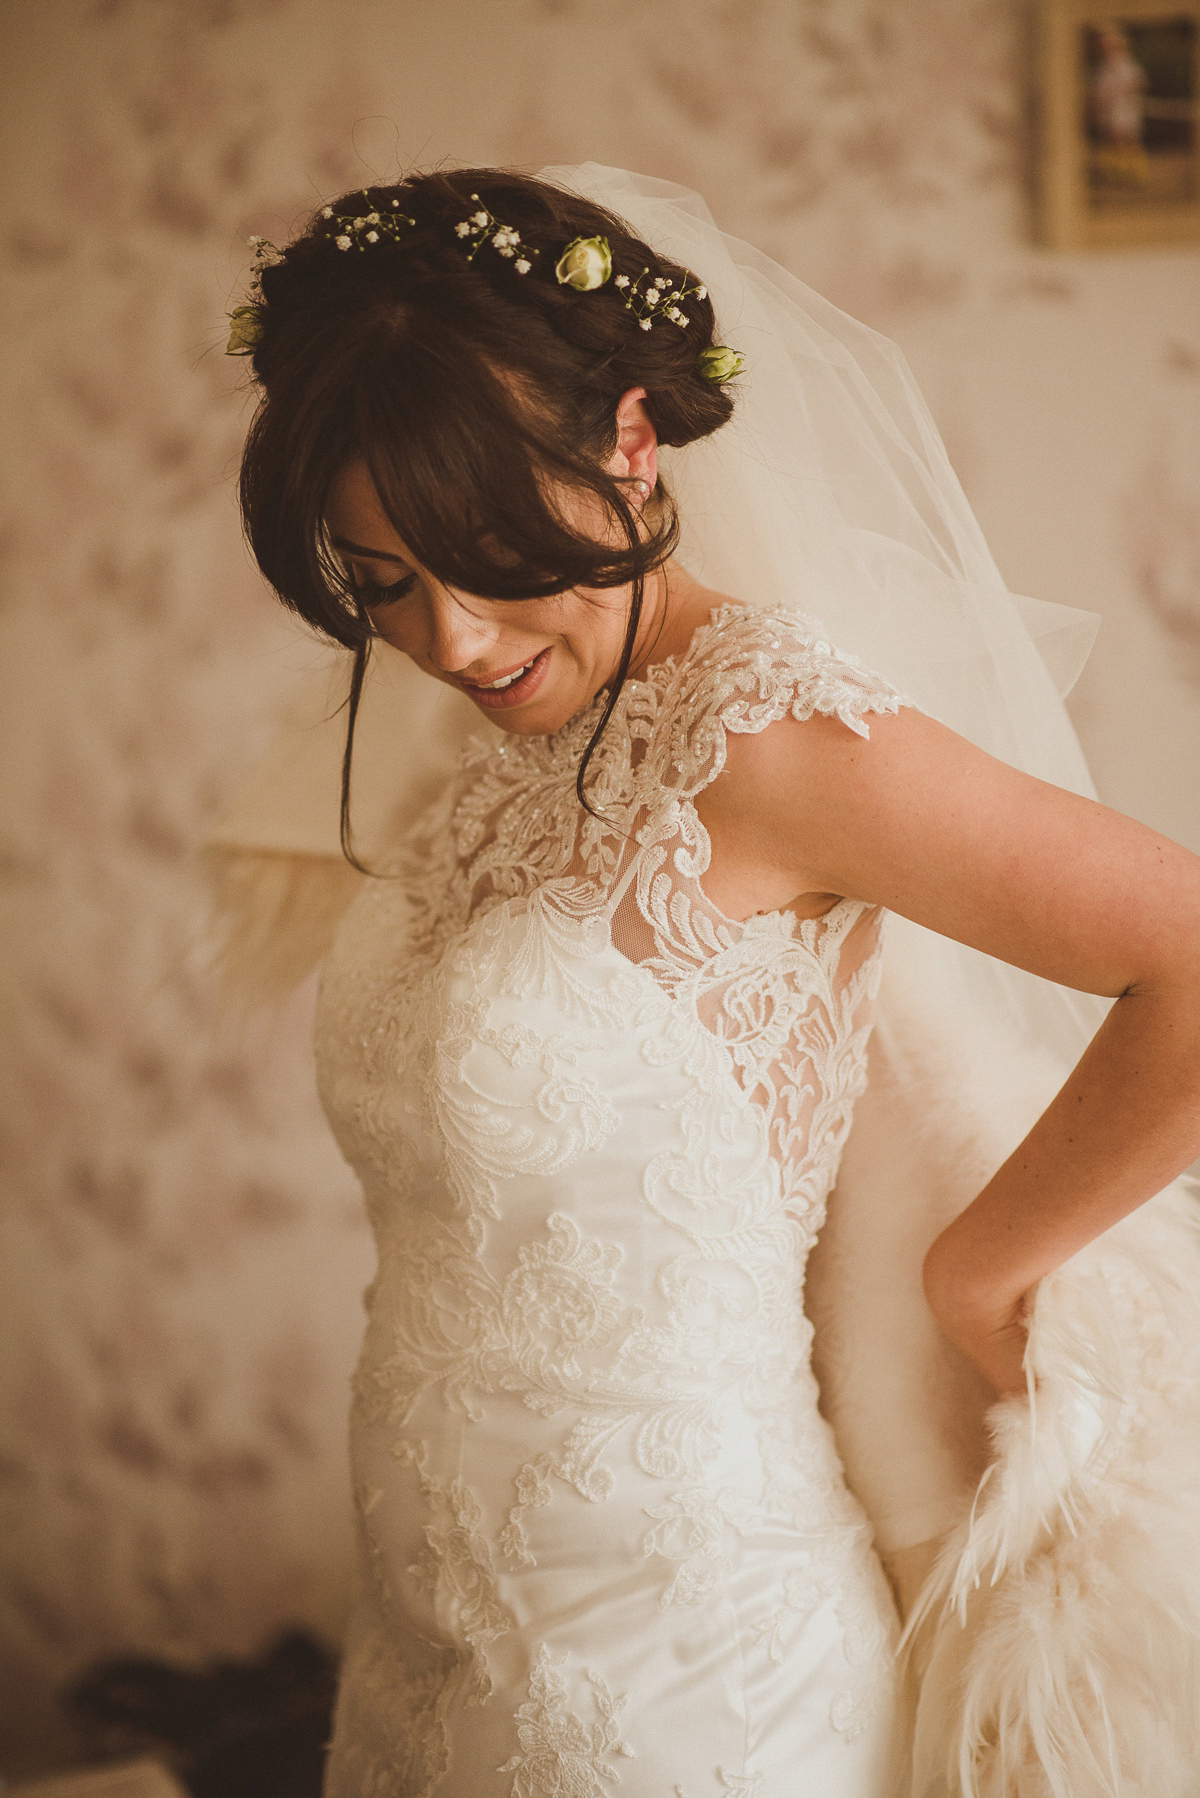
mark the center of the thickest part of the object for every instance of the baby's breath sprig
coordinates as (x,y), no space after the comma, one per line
(369,227)
(246,321)
(266,253)
(658,299)
(482,227)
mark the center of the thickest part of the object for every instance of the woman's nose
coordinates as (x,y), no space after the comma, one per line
(458,636)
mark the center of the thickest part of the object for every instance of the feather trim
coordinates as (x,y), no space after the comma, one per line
(1060,1631)
(275,918)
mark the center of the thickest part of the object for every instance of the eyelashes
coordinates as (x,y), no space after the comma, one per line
(370,593)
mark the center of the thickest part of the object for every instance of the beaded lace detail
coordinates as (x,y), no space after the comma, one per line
(536,999)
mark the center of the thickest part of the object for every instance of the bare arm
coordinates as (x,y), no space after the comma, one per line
(924,823)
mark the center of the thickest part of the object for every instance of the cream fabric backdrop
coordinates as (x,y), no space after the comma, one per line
(181,1250)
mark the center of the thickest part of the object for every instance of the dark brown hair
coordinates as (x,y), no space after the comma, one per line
(472,392)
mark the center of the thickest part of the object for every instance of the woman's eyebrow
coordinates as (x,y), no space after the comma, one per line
(357,549)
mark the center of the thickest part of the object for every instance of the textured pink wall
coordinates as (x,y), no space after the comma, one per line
(180,1248)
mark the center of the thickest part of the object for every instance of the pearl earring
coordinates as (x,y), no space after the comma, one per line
(643,487)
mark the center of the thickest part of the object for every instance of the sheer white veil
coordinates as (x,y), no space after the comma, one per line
(830,492)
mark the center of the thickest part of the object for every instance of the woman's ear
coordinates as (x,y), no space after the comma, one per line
(636,454)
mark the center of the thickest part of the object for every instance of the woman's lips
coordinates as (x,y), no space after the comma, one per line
(517,691)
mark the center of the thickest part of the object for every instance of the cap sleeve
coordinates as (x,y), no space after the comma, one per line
(748,668)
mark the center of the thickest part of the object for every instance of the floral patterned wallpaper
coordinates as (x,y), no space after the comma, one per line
(181,1250)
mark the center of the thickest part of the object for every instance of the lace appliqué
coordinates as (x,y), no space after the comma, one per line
(690,1529)
(456,1567)
(533,1490)
(831,1570)
(560,1756)
(513,823)
(866,1643)
(455,1326)
(381,1697)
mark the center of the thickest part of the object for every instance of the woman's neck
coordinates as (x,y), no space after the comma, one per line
(675,606)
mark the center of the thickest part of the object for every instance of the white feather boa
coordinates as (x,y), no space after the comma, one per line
(1062,1623)
(1056,1645)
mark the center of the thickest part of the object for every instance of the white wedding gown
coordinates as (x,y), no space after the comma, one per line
(606,1543)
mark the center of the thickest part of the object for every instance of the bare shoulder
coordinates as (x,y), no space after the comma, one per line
(832,786)
(801,719)
(807,762)
(915,818)
(788,796)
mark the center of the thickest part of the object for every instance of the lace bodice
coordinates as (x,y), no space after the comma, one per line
(597,1121)
(781,994)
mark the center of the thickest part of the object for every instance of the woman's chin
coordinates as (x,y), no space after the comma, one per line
(539,718)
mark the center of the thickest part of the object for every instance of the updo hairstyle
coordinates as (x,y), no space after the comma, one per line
(474,394)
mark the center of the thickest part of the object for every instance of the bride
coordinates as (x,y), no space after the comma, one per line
(594,1022)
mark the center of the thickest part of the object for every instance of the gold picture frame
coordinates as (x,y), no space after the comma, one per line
(1119,117)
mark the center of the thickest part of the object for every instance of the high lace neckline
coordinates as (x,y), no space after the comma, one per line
(654,676)
(669,665)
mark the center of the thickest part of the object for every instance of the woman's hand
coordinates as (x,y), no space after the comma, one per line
(990,1329)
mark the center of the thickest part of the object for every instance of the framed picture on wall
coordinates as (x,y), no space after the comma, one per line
(1119,121)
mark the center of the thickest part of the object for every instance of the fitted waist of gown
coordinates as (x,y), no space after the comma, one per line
(586,1349)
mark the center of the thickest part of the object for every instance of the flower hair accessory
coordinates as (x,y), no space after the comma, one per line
(246,322)
(719,364)
(658,299)
(370,227)
(482,227)
(245,329)
(585,264)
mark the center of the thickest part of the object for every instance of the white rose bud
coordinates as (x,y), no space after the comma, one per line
(720,364)
(585,264)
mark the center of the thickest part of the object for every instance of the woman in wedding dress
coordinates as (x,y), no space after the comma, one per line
(594,1022)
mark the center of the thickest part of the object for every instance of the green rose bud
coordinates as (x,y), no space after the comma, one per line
(246,329)
(720,364)
(585,264)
